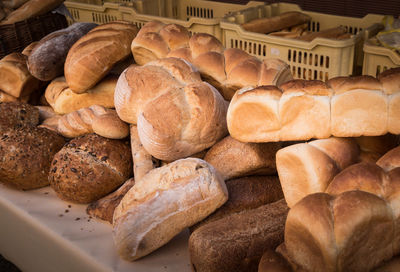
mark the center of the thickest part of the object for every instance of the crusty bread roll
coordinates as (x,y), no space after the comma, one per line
(169,131)
(237,159)
(15,78)
(63,100)
(156,39)
(390,160)
(275,23)
(90,167)
(93,55)
(237,242)
(26,154)
(47,58)
(307,168)
(301,110)
(352,231)
(246,193)
(390,80)
(30,9)
(28,49)
(227,70)
(103,208)
(272,261)
(163,203)
(97,119)
(358,107)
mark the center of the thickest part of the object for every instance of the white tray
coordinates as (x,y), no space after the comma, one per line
(40,232)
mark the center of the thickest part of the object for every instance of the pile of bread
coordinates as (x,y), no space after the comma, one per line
(158,130)
(12,11)
(295,25)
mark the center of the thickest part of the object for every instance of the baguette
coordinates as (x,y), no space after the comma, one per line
(276,23)
(331,33)
(301,110)
(30,9)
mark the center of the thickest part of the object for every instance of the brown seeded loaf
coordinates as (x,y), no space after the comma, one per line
(93,55)
(163,203)
(47,58)
(17,114)
(89,167)
(237,242)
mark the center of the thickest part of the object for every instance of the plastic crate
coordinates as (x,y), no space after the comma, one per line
(378,58)
(195,15)
(318,59)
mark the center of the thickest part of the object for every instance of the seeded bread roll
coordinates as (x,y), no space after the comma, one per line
(26,154)
(94,55)
(90,167)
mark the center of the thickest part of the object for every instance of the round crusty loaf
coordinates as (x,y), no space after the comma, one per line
(17,114)
(94,55)
(46,60)
(90,167)
(25,156)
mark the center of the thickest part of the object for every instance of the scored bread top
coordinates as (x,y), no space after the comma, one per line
(311,87)
(343,84)
(390,80)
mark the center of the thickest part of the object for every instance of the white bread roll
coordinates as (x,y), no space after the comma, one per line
(308,168)
(94,55)
(63,100)
(163,203)
(390,80)
(358,107)
(352,231)
(15,79)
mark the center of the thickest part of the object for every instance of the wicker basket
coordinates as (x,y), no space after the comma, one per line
(15,37)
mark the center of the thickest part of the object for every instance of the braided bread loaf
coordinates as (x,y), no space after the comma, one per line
(301,109)
(226,69)
(176,113)
(93,55)
(97,119)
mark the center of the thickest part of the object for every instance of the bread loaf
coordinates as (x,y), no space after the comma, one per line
(163,203)
(103,208)
(17,114)
(308,168)
(46,60)
(352,231)
(169,131)
(301,110)
(15,79)
(26,154)
(235,159)
(90,167)
(14,4)
(246,193)
(374,147)
(390,80)
(97,119)
(227,70)
(390,160)
(30,9)
(275,23)
(93,55)
(63,100)
(237,242)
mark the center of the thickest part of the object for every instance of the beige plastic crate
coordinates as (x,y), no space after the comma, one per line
(195,15)
(319,59)
(378,58)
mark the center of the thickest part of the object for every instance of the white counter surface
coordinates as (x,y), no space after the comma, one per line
(40,232)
